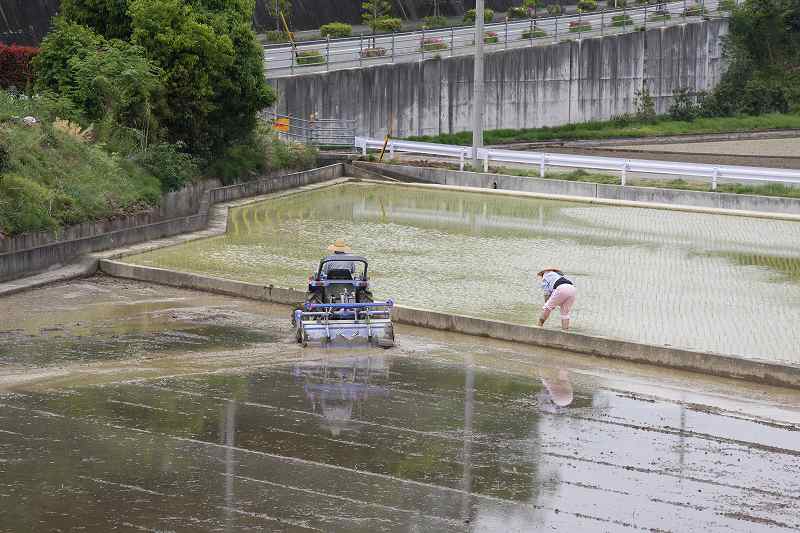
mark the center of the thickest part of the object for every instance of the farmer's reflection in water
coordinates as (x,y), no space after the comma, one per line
(557,394)
(338,388)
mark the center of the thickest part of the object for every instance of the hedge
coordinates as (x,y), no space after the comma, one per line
(15,65)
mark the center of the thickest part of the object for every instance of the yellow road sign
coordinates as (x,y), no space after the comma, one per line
(281,124)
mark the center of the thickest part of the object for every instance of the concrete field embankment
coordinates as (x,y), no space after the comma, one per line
(653,197)
(27,261)
(701,362)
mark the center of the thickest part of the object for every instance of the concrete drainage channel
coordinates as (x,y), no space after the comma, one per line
(701,362)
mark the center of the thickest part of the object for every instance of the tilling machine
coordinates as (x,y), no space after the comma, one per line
(339,308)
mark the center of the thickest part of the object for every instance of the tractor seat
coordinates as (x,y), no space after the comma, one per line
(340,274)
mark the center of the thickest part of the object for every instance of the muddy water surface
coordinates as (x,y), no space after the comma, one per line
(707,282)
(250,432)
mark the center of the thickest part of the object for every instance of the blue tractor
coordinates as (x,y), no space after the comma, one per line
(339,307)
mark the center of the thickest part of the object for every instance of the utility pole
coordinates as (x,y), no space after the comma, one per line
(478,89)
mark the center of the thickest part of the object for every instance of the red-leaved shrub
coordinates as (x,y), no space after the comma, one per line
(15,65)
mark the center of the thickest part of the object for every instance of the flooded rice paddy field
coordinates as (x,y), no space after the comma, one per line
(239,429)
(707,282)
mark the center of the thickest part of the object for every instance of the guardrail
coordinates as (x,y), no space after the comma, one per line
(543,160)
(333,54)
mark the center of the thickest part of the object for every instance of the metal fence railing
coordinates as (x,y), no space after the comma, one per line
(335,54)
(541,160)
(313,131)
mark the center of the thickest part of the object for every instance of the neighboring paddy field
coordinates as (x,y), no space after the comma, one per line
(708,282)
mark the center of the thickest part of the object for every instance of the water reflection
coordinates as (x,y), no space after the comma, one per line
(338,388)
(558,391)
(689,279)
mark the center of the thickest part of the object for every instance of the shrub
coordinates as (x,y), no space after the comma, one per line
(469,16)
(435,21)
(66,42)
(644,105)
(173,167)
(433,44)
(262,153)
(554,10)
(621,20)
(376,51)
(726,5)
(5,159)
(336,30)
(619,4)
(535,33)
(695,11)
(517,12)
(24,205)
(683,106)
(277,36)
(15,66)
(579,26)
(389,24)
(310,57)
(490,37)
(586,6)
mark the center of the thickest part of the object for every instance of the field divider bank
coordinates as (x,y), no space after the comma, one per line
(766,207)
(665,356)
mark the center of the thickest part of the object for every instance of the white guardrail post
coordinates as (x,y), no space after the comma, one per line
(624,176)
(608,164)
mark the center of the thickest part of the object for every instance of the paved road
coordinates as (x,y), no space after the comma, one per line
(789,148)
(405,47)
(145,408)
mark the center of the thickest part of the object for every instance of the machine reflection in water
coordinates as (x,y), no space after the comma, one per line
(338,388)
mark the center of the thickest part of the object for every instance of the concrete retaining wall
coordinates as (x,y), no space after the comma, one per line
(184,202)
(582,80)
(25,262)
(701,362)
(713,200)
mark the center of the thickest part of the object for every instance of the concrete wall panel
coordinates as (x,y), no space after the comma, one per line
(576,81)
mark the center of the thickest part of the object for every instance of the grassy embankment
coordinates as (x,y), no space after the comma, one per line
(52,177)
(661,126)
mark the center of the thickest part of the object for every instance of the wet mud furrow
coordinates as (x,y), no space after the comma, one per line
(142,408)
(310,513)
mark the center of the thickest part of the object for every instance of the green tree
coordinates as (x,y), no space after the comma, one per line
(116,82)
(374,12)
(275,8)
(109,18)
(763,53)
(533,6)
(212,69)
(108,81)
(64,42)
